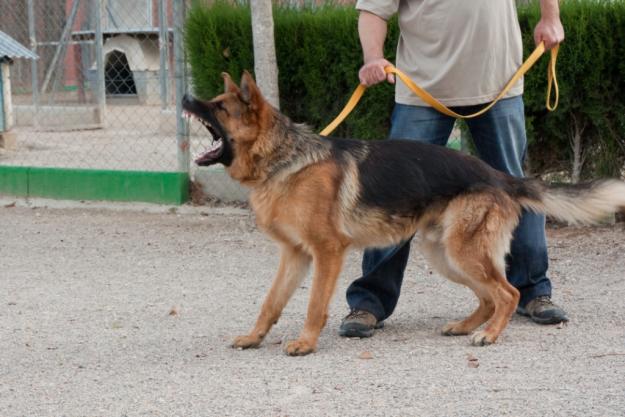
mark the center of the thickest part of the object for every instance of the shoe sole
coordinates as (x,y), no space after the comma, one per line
(549,320)
(359,331)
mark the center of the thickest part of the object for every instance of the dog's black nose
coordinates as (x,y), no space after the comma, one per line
(187,98)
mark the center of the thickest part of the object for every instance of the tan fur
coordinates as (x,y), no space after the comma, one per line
(477,230)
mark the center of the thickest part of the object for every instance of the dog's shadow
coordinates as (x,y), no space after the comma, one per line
(404,326)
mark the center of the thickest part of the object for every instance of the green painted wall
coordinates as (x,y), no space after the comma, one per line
(1,98)
(14,181)
(86,184)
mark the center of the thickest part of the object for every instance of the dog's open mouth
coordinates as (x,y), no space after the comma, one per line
(216,148)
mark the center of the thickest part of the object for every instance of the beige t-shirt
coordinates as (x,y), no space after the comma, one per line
(462,52)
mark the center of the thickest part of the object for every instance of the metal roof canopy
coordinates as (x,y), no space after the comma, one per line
(107,33)
(10,48)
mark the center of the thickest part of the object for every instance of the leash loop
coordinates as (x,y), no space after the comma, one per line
(552,83)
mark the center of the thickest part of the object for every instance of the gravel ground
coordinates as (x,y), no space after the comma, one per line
(128,310)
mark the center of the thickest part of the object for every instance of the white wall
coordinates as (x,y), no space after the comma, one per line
(6,88)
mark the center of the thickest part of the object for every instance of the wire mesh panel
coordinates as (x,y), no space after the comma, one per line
(102,94)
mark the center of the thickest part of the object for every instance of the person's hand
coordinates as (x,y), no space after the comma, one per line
(373,72)
(549,31)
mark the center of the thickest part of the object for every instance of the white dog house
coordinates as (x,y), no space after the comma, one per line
(10,49)
(131,67)
(131,53)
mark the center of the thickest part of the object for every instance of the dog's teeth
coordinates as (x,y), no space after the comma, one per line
(216,144)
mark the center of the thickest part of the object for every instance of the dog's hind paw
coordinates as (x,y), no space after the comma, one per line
(453,328)
(245,342)
(482,338)
(299,348)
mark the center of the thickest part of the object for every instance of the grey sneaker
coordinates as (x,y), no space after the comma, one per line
(359,323)
(543,311)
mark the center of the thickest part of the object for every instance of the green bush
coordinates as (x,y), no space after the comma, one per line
(319,55)
(592,87)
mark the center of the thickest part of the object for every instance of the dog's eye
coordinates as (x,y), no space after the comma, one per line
(220,106)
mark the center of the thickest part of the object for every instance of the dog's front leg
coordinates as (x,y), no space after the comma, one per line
(294,263)
(328,263)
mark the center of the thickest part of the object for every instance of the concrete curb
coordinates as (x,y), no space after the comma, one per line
(36,203)
(216,182)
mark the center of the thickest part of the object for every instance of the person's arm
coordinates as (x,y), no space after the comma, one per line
(549,29)
(372,32)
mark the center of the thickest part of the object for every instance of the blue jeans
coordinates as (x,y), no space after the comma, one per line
(499,136)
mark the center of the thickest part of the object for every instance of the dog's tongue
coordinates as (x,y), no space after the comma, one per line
(210,155)
(203,159)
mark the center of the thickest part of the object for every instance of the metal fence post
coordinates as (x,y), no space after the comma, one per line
(32,35)
(163,42)
(61,47)
(182,127)
(100,88)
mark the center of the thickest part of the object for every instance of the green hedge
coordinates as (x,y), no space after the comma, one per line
(319,55)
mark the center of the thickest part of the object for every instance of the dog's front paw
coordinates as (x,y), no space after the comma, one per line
(246,341)
(482,338)
(299,348)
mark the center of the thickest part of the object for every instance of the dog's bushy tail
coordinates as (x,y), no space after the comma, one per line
(585,203)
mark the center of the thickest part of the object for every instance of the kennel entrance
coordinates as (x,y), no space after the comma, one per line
(118,77)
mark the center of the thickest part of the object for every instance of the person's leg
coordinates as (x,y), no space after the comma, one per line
(500,139)
(377,291)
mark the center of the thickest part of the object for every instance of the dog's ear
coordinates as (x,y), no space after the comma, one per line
(250,93)
(229,85)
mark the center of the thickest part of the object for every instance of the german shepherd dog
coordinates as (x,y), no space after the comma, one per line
(319,196)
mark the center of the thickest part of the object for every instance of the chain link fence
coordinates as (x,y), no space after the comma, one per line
(105,90)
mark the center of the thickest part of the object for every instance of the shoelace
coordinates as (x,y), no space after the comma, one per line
(356,314)
(542,301)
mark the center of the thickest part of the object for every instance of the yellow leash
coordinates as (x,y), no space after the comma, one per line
(427,98)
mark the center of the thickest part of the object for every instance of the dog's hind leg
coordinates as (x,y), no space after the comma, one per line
(498,299)
(478,230)
(294,263)
(328,260)
(483,312)
(506,299)
(435,254)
